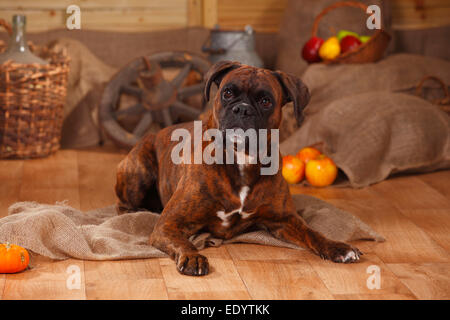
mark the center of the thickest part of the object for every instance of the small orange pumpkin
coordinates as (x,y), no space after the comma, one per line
(13,258)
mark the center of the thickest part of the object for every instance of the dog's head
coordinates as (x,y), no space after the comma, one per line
(250,97)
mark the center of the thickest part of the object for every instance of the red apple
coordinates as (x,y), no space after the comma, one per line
(349,43)
(311,48)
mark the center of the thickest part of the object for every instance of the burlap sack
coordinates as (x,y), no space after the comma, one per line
(86,77)
(361,120)
(61,232)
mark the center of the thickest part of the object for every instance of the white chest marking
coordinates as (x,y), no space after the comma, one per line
(242,160)
(243,194)
(225,215)
(241,170)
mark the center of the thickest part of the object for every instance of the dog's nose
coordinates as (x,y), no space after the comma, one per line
(242,109)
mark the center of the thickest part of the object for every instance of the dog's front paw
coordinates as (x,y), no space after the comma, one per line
(192,264)
(340,252)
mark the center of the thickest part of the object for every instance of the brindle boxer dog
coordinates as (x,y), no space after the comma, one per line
(222,199)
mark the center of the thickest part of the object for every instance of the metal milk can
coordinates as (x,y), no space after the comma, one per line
(233,46)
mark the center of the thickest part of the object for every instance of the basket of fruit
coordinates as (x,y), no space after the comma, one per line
(346,46)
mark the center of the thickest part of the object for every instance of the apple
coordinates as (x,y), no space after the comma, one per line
(349,43)
(293,169)
(343,33)
(311,48)
(330,49)
(321,172)
(308,153)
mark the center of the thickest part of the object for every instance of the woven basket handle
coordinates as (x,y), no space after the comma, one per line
(339,4)
(6,26)
(443,101)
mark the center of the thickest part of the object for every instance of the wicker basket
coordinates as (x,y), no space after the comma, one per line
(443,103)
(32,98)
(370,51)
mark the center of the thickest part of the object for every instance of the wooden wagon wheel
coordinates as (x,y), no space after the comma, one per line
(158,100)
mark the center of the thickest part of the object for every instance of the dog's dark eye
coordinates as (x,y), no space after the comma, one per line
(228,94)
(265,102)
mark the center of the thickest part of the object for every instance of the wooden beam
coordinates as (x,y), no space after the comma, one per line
(195,13)
(114,15)
(262,15)
(210,13)
(91,4)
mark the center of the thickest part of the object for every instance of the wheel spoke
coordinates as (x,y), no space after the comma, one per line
(191,90)
(184,109)
(167,118)
(133,110)
(178,80)
(143,125)
(131,90)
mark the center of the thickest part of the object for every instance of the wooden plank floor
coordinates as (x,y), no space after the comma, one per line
(412,212)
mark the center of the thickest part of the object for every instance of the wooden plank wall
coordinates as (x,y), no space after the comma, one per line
(107,15)
(262,15)
(151,15)
(420,14)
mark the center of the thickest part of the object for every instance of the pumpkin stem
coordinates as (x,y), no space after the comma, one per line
(8,246)
(22,257)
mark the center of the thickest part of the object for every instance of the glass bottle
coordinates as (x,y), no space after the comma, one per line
(18,50)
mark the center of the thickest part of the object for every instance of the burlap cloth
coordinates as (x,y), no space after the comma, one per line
(87,77)
(60,231)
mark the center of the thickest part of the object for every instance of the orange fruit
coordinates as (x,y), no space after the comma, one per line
(308,153)
(13,258)
(321,172)
(293,169)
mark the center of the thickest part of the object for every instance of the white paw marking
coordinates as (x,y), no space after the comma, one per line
(350,256)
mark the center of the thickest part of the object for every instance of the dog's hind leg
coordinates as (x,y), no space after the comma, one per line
(136,184)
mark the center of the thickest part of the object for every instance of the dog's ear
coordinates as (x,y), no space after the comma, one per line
(294,90)
(216,73)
